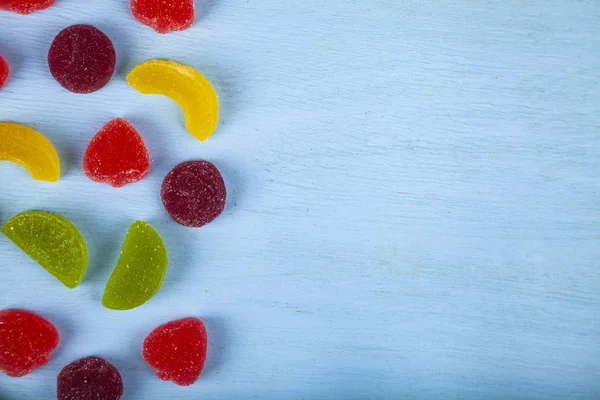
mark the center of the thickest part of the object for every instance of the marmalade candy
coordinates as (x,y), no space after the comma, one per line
(117,155)
(177,350)
(82,59)
(26,341)
(91,378)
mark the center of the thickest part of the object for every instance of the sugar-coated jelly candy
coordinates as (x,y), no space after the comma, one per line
(4,70)
(30,149)
(25,6)
(177,350)
(140,271)
(82,58)
(194,193)
(26,341)
(51,240)
(186,86)
(117,155)
(164,16)
(91,378)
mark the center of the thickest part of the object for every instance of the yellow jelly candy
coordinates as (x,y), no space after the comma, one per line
(140,270)
(51,240)
(29,148)
(194,94)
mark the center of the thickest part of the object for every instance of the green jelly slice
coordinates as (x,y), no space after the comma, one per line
(140,270)
(51,240)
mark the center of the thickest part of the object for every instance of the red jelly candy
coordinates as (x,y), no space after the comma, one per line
(82,59)
(3,71)
(116,155)
(25,6)
(177,350)
(26,341)
(91,378)
(194,193)
(164,16)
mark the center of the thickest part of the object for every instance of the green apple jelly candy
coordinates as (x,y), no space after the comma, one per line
(51,240)
(140,270)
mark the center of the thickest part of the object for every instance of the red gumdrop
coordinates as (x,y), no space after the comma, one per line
(91,378)
(4,70)
(25,6)
(177,350)
(164,16)
(194,193)
(26,341)
(117,155)
(82,58)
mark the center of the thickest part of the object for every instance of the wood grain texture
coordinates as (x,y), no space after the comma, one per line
(413,208)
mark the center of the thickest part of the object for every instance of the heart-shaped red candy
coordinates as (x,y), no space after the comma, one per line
(26,341)
(117,155)
(164,16)
(177,350)
(25,6)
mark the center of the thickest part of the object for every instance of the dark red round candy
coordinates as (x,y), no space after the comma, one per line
(3,71)
(82,59)
(194,193)
(91,378)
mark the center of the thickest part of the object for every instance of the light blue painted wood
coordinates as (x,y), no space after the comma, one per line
(413,199)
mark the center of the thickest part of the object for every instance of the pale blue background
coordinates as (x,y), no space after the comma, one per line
(413,199)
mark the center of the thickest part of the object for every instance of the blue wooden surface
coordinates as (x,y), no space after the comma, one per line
(413,209)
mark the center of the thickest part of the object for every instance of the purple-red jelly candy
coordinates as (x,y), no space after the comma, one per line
(25,6)
(194,193)
(26,341)
(117,155)
(82,59)
(177,350)
(91,378)
(164,16)
(4,70)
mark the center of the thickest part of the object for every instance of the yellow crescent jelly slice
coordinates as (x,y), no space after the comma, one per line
(186,86)
(140,270)
(51,240)
(30,149)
